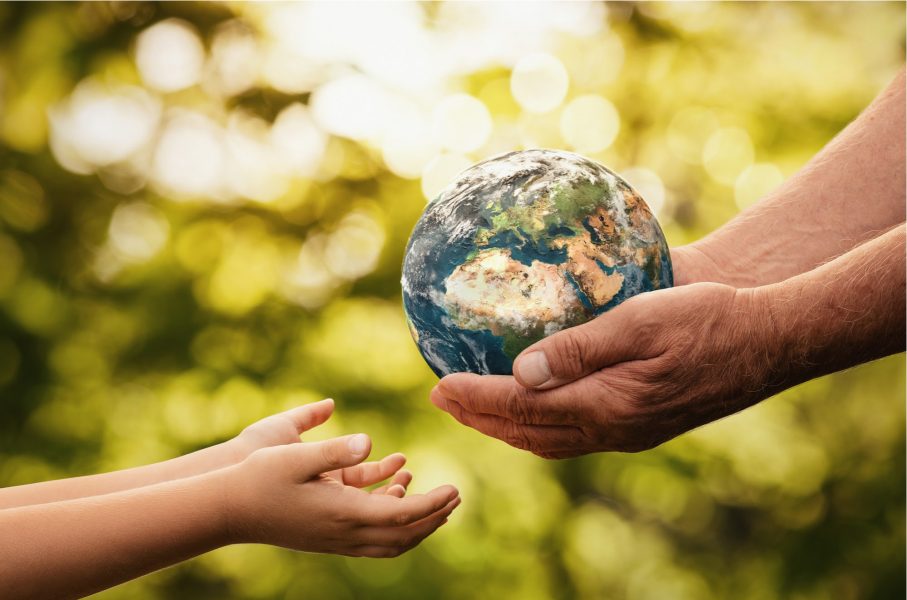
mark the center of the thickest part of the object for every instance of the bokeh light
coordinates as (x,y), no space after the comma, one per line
(138,231)
(727,153)
(99,126)
(190,158)
(170,55)
(589,123)
(539,82)
(754,182)
(461,123)
(441,172)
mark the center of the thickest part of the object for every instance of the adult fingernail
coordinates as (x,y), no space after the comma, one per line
(533,369)
(358,444)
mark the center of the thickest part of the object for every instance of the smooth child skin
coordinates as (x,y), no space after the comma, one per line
(808,281)
(71,538)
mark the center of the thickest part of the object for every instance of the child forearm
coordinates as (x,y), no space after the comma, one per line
(196,463)
(77,547)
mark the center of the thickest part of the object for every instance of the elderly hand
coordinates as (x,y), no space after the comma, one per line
(656,366)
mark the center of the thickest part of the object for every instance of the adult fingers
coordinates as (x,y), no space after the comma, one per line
(311,415)
(386,511)
(534,438)
(502,396)
(313,458)
(369,473)
(619,335)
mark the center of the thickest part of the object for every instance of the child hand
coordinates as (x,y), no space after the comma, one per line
(286,427)
(306,496)
(279,429)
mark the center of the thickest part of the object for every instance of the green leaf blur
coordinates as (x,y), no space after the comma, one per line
(203,213)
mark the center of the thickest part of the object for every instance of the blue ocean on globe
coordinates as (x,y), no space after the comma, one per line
(520,246)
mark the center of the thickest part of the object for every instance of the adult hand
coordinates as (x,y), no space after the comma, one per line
(656,366)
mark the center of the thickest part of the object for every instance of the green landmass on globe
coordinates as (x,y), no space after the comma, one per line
(520,246)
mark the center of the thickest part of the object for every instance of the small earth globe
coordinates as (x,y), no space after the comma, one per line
(520,246)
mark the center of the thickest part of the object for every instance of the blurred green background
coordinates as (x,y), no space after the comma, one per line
(203,213)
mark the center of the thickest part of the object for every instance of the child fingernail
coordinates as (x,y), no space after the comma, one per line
(358,444)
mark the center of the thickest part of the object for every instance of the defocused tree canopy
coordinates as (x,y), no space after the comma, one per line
(203,212)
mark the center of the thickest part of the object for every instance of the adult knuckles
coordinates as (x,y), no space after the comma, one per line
(519,404)
(516,436)
(573,352)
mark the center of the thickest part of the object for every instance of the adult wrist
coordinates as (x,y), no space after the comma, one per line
(771,307)
(693,264)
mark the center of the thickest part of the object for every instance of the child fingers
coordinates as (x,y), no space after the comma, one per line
(396,490)
(401,479)
(376,551)
(410,535)
(314,458)
(370,473)
(382,510)
(310,415)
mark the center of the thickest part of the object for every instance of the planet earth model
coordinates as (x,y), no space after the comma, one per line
(520,246)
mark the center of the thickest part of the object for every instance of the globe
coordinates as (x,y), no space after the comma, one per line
(520,246)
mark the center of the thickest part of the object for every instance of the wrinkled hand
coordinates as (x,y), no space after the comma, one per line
(307,496)
(656,366)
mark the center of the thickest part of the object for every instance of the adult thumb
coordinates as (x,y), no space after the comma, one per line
(314,458)
(575,352)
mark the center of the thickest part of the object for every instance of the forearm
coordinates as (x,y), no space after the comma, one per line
(846,312)
(850,192)
(195,463)
(77,547)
